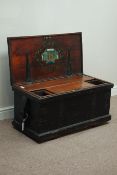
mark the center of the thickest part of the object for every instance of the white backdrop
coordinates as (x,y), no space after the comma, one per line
(97,19)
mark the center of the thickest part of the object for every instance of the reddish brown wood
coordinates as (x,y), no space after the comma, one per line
(19,46)
(59,85)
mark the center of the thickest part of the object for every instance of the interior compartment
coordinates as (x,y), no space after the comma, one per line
(95,81)
(42,92)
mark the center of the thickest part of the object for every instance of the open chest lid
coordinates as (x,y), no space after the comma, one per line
(35,58)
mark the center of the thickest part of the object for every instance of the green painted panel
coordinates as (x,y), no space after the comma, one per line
(50,55)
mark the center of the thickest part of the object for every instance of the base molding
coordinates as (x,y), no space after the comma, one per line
(53,134)
(7,112)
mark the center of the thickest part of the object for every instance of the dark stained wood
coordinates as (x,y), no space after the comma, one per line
(52,100)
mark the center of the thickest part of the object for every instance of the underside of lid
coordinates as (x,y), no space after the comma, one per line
(35,58)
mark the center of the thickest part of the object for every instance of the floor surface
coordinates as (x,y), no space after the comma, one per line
(92,152)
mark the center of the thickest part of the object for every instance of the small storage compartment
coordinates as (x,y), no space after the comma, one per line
(42,92)
(95,81)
